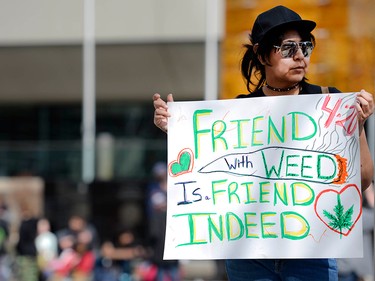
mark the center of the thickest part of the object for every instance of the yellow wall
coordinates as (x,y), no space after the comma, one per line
(345,34)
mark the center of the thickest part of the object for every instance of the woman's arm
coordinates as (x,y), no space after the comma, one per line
(365,108)
(367,164)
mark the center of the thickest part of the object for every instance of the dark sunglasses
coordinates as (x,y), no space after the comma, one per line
(289,49)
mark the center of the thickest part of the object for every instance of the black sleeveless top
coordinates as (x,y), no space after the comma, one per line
(306,89)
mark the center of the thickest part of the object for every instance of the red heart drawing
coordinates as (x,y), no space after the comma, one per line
(349,196)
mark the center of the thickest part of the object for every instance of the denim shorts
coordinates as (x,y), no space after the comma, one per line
(282,270)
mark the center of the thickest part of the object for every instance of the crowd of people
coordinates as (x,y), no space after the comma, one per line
(45,255)
(78,253)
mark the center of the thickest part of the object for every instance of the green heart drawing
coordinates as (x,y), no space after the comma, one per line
(183,163)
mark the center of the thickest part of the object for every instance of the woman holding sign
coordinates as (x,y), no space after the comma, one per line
(275,63)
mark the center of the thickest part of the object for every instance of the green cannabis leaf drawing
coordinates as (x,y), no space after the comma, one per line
(340,220)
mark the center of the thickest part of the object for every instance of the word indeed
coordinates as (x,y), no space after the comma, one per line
(250,225)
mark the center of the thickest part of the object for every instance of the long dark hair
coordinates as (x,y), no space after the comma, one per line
(253,71)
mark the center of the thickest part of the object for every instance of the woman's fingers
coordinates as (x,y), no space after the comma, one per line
(365,105)
(161,113)
(170,98)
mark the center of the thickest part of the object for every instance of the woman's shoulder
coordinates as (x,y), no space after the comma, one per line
(256,94)
(308,88)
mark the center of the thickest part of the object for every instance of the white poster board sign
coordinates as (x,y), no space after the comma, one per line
(273,177)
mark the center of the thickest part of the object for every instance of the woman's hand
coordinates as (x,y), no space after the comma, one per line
(161,113)
(365,108)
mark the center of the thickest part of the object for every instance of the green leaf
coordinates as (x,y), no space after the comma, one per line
(341,219)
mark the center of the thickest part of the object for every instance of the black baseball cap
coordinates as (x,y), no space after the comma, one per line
(277,18)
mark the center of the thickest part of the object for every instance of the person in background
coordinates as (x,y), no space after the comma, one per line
(118,259)
(275,63)
(78,224)
(46,246)
(61,268)
(165,269)
(158,181)
(27,268)
(4,235)
(362,269)
(83,270)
